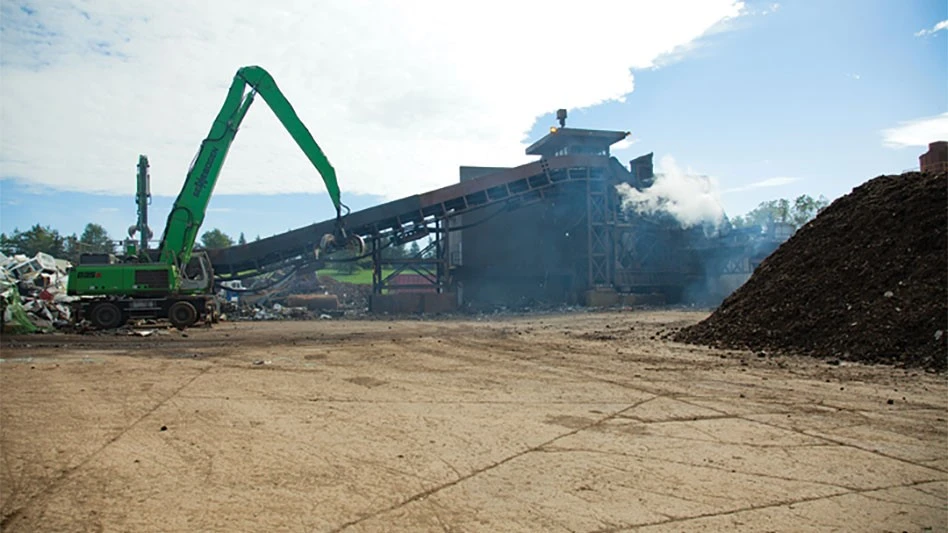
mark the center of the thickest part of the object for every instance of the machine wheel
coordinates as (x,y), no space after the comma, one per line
(106,315)
(182,314)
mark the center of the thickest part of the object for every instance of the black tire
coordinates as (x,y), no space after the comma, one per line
(106,315)
(182,314)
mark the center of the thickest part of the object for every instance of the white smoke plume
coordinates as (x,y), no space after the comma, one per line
(691,199)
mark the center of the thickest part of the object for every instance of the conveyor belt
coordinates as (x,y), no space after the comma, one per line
(518,184)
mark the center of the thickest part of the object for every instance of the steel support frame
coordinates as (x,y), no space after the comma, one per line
(596,259)
(435,270)
(599,231)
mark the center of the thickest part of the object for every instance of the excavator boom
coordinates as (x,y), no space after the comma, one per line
(175,282)
(187,214)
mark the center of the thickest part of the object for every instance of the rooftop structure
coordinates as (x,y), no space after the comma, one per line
(572,141)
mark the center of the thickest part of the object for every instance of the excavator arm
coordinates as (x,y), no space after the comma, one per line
(187,214)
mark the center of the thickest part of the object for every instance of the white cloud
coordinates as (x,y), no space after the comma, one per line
(918,132)
(943,25)
(764,184)
(624,144)
(853,76)
(764,10)
(398,93)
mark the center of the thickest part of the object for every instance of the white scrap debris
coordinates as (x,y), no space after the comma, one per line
(40,286)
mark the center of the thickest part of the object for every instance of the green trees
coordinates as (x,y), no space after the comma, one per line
(44,239)
(797,213)
(36,239)
(95,238)
(395,251)
(805,209)
(216,238)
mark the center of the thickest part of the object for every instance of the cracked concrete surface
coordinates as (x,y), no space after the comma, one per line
(581,422)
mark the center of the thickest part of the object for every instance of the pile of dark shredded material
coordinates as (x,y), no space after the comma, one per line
(865,281)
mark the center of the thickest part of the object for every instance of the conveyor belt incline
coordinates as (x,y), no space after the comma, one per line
(518,184)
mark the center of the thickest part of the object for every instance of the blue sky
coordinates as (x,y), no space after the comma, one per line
(770,99)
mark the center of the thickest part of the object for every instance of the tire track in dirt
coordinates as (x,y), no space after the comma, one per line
(63,476)
(449,484)
(848,445)
(589,372)
(554,450)
(686,519)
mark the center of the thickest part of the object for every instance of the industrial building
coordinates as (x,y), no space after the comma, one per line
(574,245)
(935,159)
(577,245)
(549,232)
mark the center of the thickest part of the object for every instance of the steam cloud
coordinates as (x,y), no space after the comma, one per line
(690,199)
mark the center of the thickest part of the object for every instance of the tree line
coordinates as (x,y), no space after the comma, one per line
(95,239)
(782,211)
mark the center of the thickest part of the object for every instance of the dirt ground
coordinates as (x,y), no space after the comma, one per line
(572,422)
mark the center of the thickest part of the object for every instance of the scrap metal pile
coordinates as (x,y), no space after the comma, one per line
(298,296)
(866,281)
(33,297)
(33,293)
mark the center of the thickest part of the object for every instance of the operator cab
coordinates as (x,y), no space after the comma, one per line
(198,274)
